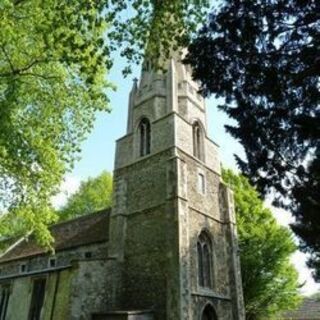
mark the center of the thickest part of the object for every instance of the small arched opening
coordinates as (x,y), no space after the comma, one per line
(197,136)
(209,313)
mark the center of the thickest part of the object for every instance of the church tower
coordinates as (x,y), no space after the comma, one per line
(172,228)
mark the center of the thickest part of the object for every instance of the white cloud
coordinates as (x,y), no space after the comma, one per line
(298,258)
(283,217)
(68,187)
(305,277)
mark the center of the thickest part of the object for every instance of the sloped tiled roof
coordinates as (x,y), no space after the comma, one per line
(85,230)
(308,310)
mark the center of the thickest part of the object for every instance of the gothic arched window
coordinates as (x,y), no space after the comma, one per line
(145,136)
(209,313)
(197,141)
(204,252)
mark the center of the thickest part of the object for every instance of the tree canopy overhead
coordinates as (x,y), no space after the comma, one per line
(270,282)
(263,58)
(54,60)
(52,66)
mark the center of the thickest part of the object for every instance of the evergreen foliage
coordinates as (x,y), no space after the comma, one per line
(270,282)
(263,58)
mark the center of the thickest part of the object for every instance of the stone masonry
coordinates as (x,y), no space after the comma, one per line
(160,209)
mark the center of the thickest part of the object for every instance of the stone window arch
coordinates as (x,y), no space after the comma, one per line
(144,130)
(198,141)
(204,255)
(208,313)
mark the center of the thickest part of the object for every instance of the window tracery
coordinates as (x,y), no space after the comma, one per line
(204,251)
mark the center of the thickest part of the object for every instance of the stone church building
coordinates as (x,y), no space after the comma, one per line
(167,250)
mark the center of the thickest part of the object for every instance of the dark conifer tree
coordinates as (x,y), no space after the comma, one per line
(263,58)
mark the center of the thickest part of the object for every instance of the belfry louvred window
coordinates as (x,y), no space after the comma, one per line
(145,137)
(204,252)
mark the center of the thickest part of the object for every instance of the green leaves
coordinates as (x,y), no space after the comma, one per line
(270,282)
(153,28)
(93,195)
(46,107)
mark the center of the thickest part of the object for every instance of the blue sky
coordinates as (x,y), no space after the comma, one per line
(98,151)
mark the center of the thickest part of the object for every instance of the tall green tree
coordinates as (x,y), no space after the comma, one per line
(263,58)
(270,282)
(93,195)
(52,67)
(54,58)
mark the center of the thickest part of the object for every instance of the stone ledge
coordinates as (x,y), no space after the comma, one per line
(128,312)
(124,315)
(35,272)
(210,294)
